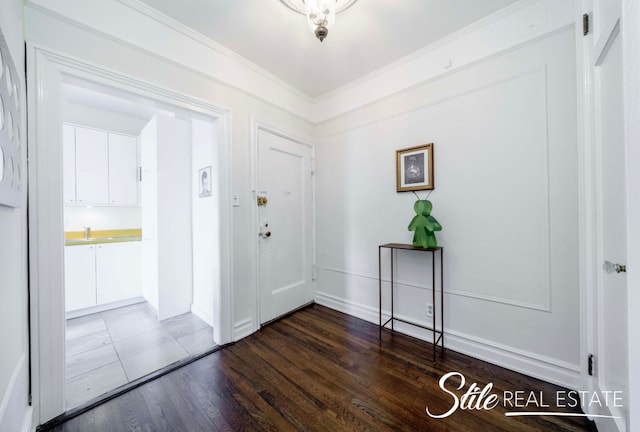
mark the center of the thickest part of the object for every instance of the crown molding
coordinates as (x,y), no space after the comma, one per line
(518,24)
(198,37)
(428,49)
(147,30)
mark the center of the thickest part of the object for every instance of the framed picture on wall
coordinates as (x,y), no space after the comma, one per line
(204,180)
(414,168)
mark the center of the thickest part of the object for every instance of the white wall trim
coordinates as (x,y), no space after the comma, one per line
(494,299)
(204,57)
(177,26)
(496,17)
(514,26)
(243,328)
(532,364)
(631,42)
(104,307)
(521,24)
(544,305)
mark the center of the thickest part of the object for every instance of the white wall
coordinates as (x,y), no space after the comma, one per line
(15,412)
(101,217)
(166,215)
(175,282)
(149,206)
(205,223)
(505,146)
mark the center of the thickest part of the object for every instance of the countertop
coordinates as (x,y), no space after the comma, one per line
(75,238)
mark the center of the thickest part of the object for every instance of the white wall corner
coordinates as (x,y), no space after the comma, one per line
(531,364)
(202,314)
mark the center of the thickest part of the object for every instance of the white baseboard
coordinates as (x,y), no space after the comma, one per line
(243,329)
(547,369)
(202,314)
(104,307)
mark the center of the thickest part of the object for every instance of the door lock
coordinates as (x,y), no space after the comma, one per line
(610,267)
(264,229)
(262,201)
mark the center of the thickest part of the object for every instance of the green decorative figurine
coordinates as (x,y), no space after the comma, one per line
(424,225)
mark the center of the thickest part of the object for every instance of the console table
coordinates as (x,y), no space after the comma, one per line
(438,335)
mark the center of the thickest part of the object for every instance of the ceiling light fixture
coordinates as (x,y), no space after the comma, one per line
(320,13)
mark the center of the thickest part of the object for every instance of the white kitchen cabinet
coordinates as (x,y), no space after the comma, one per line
(99,167)
(123,182)
(69,163)
(92,166)
(102,273)
(80,277)
(118,271)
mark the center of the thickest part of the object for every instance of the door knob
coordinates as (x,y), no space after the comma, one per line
(610,267)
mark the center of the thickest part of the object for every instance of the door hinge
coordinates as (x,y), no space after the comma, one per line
(585,24)
(590,366)
(314,273)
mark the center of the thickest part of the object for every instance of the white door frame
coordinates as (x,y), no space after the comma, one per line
(631,70)
(255,127)
(588,199)
(46,69)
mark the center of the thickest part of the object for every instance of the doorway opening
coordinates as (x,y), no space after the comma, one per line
(160,253)
(129,168)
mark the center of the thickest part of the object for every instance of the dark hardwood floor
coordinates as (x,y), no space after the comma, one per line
(320,370)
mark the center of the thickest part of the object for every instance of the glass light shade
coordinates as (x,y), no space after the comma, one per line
(318,11)
(321,13)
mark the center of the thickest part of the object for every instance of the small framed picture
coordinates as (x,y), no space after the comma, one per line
(204,180)
(414,168)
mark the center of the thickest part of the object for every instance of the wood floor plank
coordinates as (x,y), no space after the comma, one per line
(321,370)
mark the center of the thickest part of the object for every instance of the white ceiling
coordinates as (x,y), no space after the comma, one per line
(366,37)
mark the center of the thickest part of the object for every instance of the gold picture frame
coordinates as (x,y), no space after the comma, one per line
(414,168)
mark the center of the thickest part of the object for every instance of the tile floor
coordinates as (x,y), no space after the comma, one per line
(109,349)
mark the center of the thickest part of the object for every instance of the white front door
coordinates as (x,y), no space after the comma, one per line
(609,310)
(285,213)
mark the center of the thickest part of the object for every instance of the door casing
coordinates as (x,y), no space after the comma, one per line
(589,49)
(47,70)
